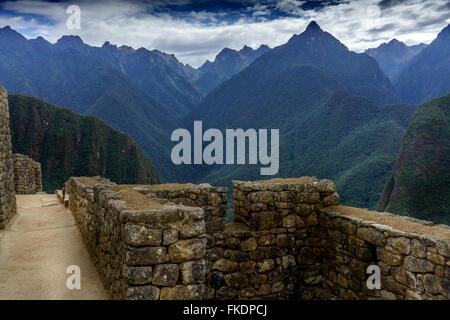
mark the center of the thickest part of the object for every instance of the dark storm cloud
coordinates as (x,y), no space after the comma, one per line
(383,4)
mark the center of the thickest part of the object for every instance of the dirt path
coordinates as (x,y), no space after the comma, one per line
(36,249)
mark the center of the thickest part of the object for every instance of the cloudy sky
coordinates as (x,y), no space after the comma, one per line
(196,30)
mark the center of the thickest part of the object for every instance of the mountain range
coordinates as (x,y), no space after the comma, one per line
(394,55)
(156,73)
(325,129)
(88,84)
(427,76)
(226,64)
(340,116)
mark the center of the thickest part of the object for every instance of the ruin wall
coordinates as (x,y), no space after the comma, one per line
(290,239)
(27,175)
(7,194)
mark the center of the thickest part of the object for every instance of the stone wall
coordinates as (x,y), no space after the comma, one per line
(414,265)
(7,194)
(27,175)
(274,248)
(290,239)
(146,250)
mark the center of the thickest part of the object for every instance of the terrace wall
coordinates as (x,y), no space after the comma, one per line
(290,239)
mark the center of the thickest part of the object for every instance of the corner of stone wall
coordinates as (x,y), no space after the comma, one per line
(7,193)
(414,266)
(159,253)
(27,175)
(274,248)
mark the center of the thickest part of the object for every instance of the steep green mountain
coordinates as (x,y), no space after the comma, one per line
(427,76)
(394,56)
(419,185)
(325,131)
(156,73)
(88,85)
(67,144)
(226,64)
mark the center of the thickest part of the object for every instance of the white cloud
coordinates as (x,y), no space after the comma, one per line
(290,6)
(358,24)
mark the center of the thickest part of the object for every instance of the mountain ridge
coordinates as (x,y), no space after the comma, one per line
(394,56)
(427,76)
(227,63)
(67,144)
(419,185)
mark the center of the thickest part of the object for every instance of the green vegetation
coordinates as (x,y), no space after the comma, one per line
(67,144)
(324,130)
(419,185)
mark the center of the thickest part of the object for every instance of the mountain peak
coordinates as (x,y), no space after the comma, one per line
(70,39)
(395,41)
(246,49)
(10,33)
(108,44)
(313,27)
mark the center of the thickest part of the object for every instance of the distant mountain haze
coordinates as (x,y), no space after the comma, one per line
(357,73)
(427,76)
(226,64)
(394,56)
(158,74)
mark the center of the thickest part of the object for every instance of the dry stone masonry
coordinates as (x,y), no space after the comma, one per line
(290,239)
(148,242)
(27,175)
(7,194)
(414,262)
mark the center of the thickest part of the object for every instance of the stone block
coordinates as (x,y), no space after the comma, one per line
(185,250)
(142,293)
(225,265)
(389,258)
(139,235)
(264,220)
(170,236)
(138,275)
(371,235)
(165,275)
(265,265)
(195,271)
(236,280)
(414,264)
(248,245)
(184,292)
(146,256)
